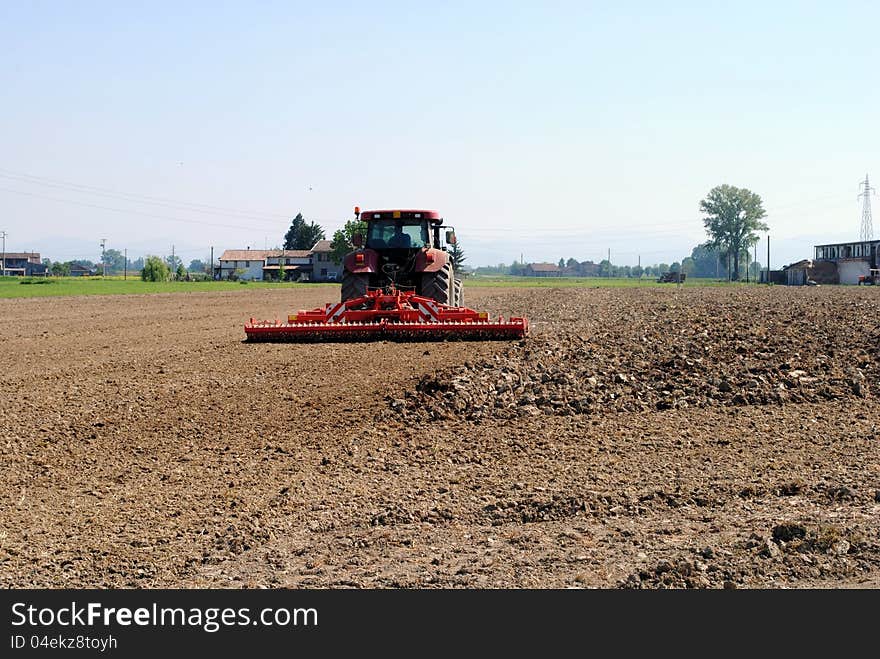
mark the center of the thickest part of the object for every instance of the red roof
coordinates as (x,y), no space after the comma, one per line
(426,214)
(544,267)
(262,254)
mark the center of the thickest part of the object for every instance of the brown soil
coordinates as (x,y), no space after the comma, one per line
(692,437)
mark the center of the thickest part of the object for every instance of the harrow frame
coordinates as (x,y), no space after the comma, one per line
(387,314)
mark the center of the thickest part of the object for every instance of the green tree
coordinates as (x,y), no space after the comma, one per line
(197,265)
(115,260)
(733,215)
(517,268)
(61,269)
(341,243)
(637,271)
(181,271)
(281,272)
(155,269)
(456,255)
(707,262)
(561,263)
(301,235)
(173,262)
(675,267)
(604,268)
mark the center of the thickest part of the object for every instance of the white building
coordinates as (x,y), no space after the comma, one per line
(852,259)
(262,264)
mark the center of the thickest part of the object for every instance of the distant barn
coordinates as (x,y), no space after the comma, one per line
(849,260)
(543,270)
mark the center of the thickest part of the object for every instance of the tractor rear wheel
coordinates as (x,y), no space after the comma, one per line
(459,293)
(439,285)
(354,285)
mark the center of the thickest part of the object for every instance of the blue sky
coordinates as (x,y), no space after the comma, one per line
(543,129)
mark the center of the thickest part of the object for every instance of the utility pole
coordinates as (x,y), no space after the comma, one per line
(755,259)
(768,259)
(3,234)
(748,265)
(212,263)
(125,267)
(103,260)
(867,231)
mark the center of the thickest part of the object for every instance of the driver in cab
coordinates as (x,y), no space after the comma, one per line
(399,239)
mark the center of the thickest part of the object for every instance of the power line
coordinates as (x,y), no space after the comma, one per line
(122,210)
(140,198)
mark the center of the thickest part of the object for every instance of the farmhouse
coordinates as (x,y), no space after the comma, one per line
(543,270)
(22,264)
(298,264)
(589,269)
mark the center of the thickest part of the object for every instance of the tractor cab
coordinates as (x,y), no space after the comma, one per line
(402,249)
(398,234)
(403,229)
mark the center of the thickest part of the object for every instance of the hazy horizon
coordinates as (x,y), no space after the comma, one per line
(536,131)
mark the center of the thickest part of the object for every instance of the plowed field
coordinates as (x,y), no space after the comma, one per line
(639,438)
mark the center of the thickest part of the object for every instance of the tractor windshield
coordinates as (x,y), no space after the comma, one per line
(391,234)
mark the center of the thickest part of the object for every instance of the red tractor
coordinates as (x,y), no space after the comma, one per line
(398,284)
(403,251)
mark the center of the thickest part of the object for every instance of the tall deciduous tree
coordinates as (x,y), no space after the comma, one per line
(341,243)
(302,235)
(733,215)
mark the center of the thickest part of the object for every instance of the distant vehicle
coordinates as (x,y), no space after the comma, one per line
(671,278)
(871,279)
(332,276)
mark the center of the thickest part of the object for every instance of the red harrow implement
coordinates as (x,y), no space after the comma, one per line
(389,314)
